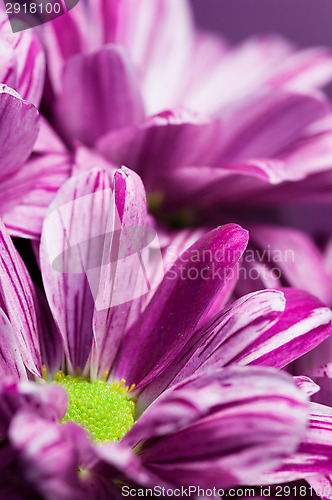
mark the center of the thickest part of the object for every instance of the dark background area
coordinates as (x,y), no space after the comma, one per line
(306,22)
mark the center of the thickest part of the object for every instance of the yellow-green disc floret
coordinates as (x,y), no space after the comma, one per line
(103,409)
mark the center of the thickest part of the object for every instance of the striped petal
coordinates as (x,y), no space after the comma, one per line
(219,428)
(314,454)
(126,278)
(11,363)
(18,131)
(221,340)
(17,294)
(305,323)
(47,401)
(29,62)
(82,245)
(46,459)
(99,94)
(170,140)
(194,281)
(69,223)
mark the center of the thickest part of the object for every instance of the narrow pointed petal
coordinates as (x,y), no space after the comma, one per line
(29,62)
(88,280)
(197,432)
(17,293)
(307,385)
(99,94)
(194,281)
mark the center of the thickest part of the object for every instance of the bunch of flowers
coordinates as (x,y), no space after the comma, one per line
(133,148)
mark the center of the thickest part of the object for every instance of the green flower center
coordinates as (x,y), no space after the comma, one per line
(103,409)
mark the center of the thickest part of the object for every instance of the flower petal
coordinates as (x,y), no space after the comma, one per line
(29,192)
(222,339)
(18,131)
(11,363)
(99,94)
(125,278)
(70,223)
(85,242)
(47,401)
(305,323)
(194,280)
(295,254)
(169,140)
(314,455)
(17,293)
(29,62)
(46,458)
(308,68)
(197,433)
(274,119)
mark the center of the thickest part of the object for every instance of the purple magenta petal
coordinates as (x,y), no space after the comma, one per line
(99,94)
(46,401)
(29,62)
(72,221)
(17,293)
(18,131)
(219,341)
(309,68)
(305,323)
(47,460)
(288,113)
(29,192)
(121,281)
(193,282)
(11,363)
(314,455)
(307,385)
(169,140)
(219,428)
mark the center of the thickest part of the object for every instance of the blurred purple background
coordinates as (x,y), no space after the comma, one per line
(306,22)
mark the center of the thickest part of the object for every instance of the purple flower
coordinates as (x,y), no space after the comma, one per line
(202,417)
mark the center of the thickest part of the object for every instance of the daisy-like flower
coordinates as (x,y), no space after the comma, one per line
(151,371)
